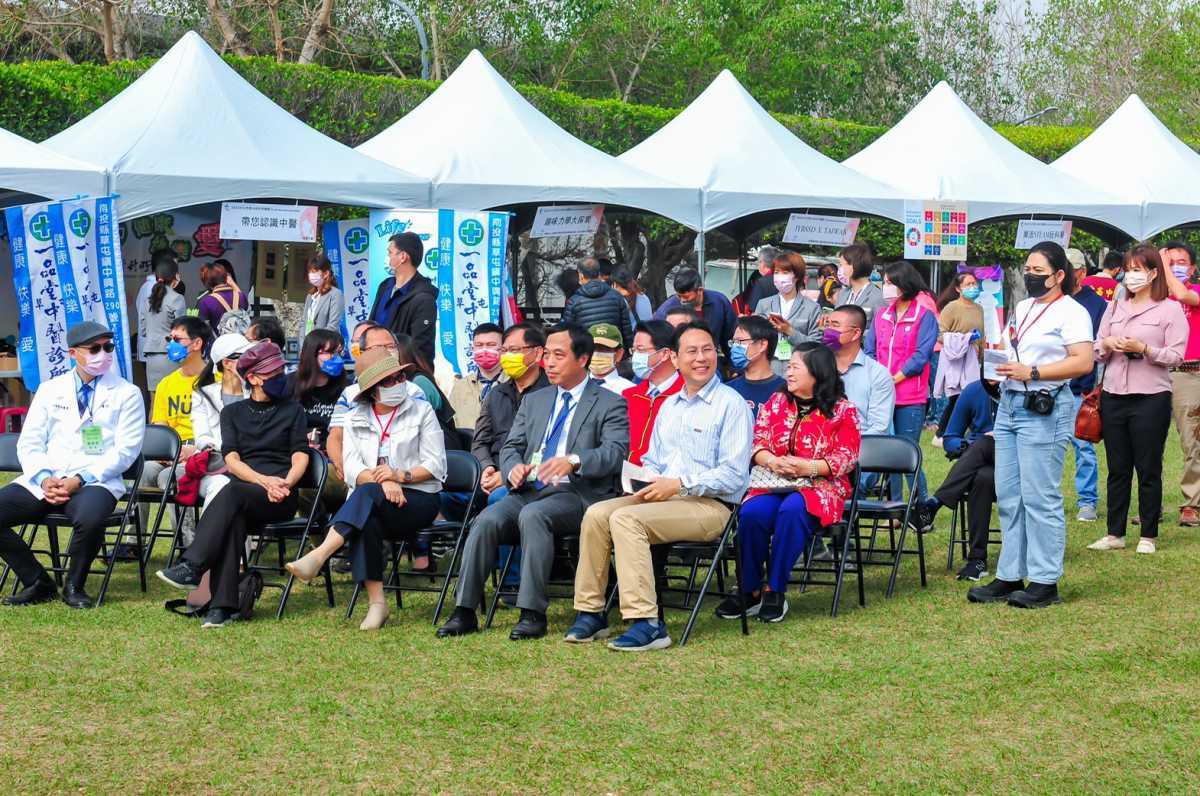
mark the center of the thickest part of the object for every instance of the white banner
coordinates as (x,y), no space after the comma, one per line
(935,230)
(472,248)
(346,245)
(820,230)
(1030,233)
(286,223)
(557,221)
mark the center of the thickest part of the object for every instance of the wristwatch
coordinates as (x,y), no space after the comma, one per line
(573,458)
(683,490)
(407,476)
(1034,374)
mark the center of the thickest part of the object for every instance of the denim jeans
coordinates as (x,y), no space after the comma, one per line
(1087,474)
(1030,450)
(908,422)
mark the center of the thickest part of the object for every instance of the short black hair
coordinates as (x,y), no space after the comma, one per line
(1178,244)
(822,366)
(268,327)
(582,344)
(605,266)
(907,280)
(682,309)
(1114,260)
(196,328)
(533,333)
(622,276)
(162,257)
(686,280)
(759,328)
(699,326)
(860,259)
(660,332)
(487,328)
(860,315)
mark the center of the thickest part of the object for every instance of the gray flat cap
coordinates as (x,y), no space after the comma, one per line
(86,332)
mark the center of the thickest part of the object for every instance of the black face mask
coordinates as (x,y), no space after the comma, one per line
(276,387)
(1035,285)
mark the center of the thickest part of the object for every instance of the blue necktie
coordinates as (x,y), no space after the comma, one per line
(556,432)
(85,397)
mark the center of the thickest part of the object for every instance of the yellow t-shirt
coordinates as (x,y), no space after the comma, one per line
(173,404)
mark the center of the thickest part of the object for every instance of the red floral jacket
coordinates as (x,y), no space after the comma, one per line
(835,439)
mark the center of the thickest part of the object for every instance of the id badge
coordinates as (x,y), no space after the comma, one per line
(92,437)
(783,349)
(384,453)
(534,464)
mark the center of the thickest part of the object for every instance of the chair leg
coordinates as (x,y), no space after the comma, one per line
(953,539)
(840,574)
(898,554)
(112,562)
(858,561)
(499,587)
(353,599)
(687,630)
(921,558)
(737,575)
(454,556)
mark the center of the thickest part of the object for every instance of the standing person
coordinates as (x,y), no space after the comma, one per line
(752,353)
(266,453)
(709,306)
(470,391)
(1087,474)
(761,285)
(869,385)
(639,303)
(901,339)
(406,302)
(597,302)
(652,364)
(856,264)
(608,354)
(163,307)
(324,306)
(960,326)
(1141,337)
(567,283)
(797,319)
(1179,261)
(1105,282)
(1050,343)
(223,296)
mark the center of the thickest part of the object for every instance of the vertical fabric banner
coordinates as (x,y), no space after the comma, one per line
(346,245)
(42,348)
(100,241)
(447,336)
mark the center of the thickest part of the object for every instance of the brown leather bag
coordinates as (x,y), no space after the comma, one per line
(1088,426)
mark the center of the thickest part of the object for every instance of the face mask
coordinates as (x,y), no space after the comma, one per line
(601,364)
(1136,280)
(176,351)
(392,396)
(486,359)
(784,282)
(275,387)
(890,292)
(1180,271)
(843,276)
(513,364)
(738,357)
(316,278)
(971,292)
(876,277)
(641,364)
(1035,285)
(98,364)
(355,351)
(334,366)
(832,338)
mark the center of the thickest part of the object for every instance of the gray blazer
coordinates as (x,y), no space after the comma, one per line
(323,311)
(155,327)
(805,318)
(599,435)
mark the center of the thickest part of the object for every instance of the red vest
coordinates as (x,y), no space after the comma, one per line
(642,412)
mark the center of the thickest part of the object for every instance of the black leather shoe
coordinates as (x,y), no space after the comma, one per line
(531,625)
(76,597)
(42,591)
(1036,595)
(461,623)
(995,592)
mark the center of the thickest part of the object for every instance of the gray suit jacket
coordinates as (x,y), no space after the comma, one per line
(599,435)
(324,312)
(804,318)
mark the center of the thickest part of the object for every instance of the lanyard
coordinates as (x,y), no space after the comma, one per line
(383,429)
(1027,325)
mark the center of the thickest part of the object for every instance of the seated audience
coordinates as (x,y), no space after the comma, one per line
(698,465)
(471,389)
(751,353)
(318,382)
(653,364)
(608,353)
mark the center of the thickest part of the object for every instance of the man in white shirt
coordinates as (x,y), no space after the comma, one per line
(83,431)
(608,352)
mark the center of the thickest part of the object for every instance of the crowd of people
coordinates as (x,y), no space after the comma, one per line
(710,407)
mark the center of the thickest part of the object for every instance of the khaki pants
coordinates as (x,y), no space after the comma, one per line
(628,526)
(1185,407)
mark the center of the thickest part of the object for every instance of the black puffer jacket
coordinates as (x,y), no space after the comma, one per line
(597,302)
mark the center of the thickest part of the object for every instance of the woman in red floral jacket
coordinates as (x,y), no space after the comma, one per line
(809,432)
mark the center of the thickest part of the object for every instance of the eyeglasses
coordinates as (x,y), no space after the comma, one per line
(517,349)
(741,341)
(389,346)
(393,380)
(96,348)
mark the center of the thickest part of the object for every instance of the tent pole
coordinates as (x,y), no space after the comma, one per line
(700,256)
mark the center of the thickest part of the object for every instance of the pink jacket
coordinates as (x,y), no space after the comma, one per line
(896,344)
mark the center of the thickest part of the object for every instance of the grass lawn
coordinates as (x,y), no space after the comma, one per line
(920,693)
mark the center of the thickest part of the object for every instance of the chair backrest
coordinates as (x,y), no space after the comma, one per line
(9,461)
(886,454)
(466,436)
(463,472)
(161,444)
(314,474)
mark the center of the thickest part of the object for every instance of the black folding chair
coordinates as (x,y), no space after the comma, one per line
(716,553)
(463,474)
(9,463)
(298,528)
(960,535)
(887,455)
(466,436)
(161,444)
(832,571)
(566,559)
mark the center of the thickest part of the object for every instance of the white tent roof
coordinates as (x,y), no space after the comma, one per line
(191,130)
(1134,155)
(29,168)
(484,145)
(942,150)
(745,162)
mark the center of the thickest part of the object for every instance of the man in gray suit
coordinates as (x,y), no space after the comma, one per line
(563,453)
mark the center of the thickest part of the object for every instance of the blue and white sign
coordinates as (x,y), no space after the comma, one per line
(347,246)
(386,223)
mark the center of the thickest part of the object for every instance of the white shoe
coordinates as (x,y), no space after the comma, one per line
(377,616)
(1108,543)
(1146,546)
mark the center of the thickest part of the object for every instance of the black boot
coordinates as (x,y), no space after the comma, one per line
(1036,595)
(996,591)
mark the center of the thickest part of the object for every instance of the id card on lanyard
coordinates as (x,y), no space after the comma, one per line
(385,446)
(91,436)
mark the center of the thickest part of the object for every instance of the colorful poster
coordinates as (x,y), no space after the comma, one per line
(935,230)
(346,245)
(386,223)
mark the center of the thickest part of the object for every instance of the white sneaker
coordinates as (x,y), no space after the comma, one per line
(1146,546)
(1108,543)
(1086,514)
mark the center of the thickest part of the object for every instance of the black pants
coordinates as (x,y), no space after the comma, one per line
(221,535)
(88,509)
(973,475)
(367,518)
(1135,432)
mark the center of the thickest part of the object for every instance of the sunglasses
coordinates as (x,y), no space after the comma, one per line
(96,348)
(393,380)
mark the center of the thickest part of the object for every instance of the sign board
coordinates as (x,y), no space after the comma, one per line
(286,223)
(820,230)
(346,244)
(935,231)
(557,221)
(1030,233)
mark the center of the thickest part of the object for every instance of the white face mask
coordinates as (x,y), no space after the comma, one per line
(98,364)
(392,396)
(890,292)
(316,278)
(1136,280)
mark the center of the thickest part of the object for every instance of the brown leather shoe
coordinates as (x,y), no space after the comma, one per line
(1189,517)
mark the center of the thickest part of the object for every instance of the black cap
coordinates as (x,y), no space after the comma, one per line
(86,332)
(410,242)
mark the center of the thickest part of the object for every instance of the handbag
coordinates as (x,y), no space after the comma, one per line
(767,479)
(1088,425)
(250,587)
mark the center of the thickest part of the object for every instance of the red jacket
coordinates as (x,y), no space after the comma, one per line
(642,413)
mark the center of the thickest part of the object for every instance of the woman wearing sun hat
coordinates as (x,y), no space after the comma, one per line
(394,458)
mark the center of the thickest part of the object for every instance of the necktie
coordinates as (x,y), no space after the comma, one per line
(85,397)
(556,431)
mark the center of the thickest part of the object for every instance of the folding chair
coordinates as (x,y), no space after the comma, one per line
(463,474)
(161,444)
(9,463)
(960,535)
(816,572)
(887,455)
(566,555)
(299,528)
(716,552)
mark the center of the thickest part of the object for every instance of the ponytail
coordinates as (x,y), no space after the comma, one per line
(157,294)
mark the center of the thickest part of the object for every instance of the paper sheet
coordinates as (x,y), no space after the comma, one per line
(993,358)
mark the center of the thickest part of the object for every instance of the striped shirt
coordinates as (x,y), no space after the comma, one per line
(705,441)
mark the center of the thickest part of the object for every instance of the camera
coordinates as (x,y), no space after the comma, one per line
(1040,401)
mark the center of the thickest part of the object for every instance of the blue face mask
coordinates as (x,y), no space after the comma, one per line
(971,292)
(876,277)
(334,366)
(737,356)
(641,364)
(276,387)
(176,351)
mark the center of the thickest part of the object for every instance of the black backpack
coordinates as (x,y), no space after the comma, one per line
(196,604)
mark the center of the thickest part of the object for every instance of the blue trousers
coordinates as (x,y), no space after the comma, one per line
(367,519)
(773,531)
(1087,474)
(908,422)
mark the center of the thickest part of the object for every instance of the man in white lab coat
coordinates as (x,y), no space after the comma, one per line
(84,429)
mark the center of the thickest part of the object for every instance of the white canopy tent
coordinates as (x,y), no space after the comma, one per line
(745,162)
(484,145)
(1134,155)
(191,130)
(941,150)
(31,169)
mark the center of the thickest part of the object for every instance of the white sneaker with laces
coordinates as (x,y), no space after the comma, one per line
(1108,543)
(1146,546)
